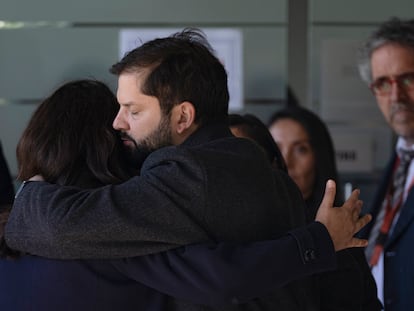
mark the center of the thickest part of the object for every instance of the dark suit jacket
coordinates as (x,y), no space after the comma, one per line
(213,187)
(398,250)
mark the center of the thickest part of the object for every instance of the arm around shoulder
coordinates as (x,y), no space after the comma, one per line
(146,214)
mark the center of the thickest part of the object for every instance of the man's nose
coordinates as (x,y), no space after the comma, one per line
(398,92)
(119,122)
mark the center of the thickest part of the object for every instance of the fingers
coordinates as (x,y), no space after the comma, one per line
(355,242)
(362,222)
(356,211)
(329,196)
(353,199)
(358,242)
(343,222)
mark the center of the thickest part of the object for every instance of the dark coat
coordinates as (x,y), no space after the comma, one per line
(213,187)
(398,250)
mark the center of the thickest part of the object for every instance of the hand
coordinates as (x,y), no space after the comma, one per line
(342,222)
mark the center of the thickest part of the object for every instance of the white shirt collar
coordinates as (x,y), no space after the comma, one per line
(402,144)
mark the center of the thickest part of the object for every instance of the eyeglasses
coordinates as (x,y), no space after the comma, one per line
(383,86)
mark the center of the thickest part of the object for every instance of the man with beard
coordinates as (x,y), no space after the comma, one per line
(387,65)
(198,183)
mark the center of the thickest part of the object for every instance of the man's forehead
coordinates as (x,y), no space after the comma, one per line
(392,58)
(128,86)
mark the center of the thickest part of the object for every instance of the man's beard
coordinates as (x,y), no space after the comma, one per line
(160,137)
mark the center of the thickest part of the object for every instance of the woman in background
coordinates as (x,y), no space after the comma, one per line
(309,154)
(308,151)
(302,294)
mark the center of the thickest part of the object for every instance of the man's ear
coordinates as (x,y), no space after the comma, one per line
(184,117)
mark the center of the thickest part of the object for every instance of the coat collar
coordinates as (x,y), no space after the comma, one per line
(207,133)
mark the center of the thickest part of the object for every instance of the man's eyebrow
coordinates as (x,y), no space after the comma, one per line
(127,104)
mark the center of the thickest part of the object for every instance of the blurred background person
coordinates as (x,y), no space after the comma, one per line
(249,126)
(309,154)
(308,151)
(302,294)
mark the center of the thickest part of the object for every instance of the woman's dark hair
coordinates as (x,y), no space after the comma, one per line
(323,148)
(70,140)
(253,128)
(181,67)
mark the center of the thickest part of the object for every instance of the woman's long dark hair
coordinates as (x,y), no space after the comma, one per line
(323,148)
(70,140)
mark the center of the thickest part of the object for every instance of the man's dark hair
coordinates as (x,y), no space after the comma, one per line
(181,67)
(394,31)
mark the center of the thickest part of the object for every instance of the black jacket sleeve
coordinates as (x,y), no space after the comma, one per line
(225,273)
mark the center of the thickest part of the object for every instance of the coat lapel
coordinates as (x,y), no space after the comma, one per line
(404,220)
(379,197)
